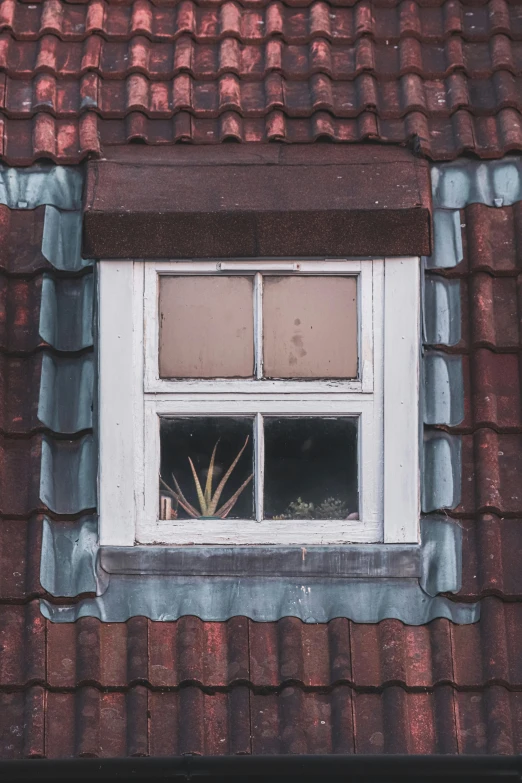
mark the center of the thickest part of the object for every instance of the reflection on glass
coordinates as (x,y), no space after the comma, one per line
(206,468)
(206,327)
(310,327)
(311,468)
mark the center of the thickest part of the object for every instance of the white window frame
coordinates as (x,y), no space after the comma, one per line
(385,398)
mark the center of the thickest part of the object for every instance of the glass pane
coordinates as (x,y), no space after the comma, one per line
(195,439)
(311,468)
(206,327)
(310,327)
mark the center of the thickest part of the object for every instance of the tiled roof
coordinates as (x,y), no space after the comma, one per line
(76,77)
(156,688)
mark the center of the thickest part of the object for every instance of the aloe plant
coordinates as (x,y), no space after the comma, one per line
(207,499)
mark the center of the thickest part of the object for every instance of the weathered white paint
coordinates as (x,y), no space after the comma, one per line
(258,325)
(401,400)
(116,406)
(259,462)
(249,533)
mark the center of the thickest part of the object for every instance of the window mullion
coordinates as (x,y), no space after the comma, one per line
(258,324)
(259,465)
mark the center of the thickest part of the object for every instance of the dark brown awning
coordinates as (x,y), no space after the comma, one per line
(257,200)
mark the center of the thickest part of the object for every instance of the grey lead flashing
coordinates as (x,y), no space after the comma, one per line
(141,583)
(68,475)
(62,239)
(66,393)
(66,312)
(66,542)
(264,599)
(441,471)
(28,188)
(496,183)
(69,555)
(369,560)
(443,388)
(442,315)
(447,240)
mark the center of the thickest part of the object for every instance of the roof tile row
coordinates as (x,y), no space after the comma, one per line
(211,21)
(443,77)
(160,61)
(69,141)
(138,722)
(162,99)
(264,655)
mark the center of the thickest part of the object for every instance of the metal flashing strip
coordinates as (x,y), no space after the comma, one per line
(36,186)
(64,542)
(441,470)
(442,312)
(447,240)
(164,583)
(62,240)
(496,183)
(66,312)
(264,599)
(66,393)
(68,475)
(443,388)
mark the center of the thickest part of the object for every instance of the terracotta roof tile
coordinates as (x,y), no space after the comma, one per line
(148,688)
(88,722)
(77,76)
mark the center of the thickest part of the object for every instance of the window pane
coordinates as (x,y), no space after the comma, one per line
(310,327)
(206,327)
(311,468)
(196,438)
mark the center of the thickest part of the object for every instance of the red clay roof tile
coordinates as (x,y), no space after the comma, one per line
(75,77)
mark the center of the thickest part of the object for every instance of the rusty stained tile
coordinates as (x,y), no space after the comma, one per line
(21,232)
(19,385)
(492,395)
(20,476)
(71,140)
(492,548)
(19,314)
(120,655)
(20,545)
(491,467)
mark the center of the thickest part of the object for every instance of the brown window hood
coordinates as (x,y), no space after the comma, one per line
(257,200)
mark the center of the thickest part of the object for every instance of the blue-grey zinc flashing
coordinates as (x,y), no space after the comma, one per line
(71,558)
(133,582)
(264,599)
(66,312)
(37,186)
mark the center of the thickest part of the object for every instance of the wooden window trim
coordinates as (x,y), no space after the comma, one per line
(386,398)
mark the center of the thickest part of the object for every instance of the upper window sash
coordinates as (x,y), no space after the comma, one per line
(363,384)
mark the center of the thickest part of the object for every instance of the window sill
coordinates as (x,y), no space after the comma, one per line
(357,560)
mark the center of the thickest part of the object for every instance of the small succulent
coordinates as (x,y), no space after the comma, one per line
(331,508)
(208,500)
